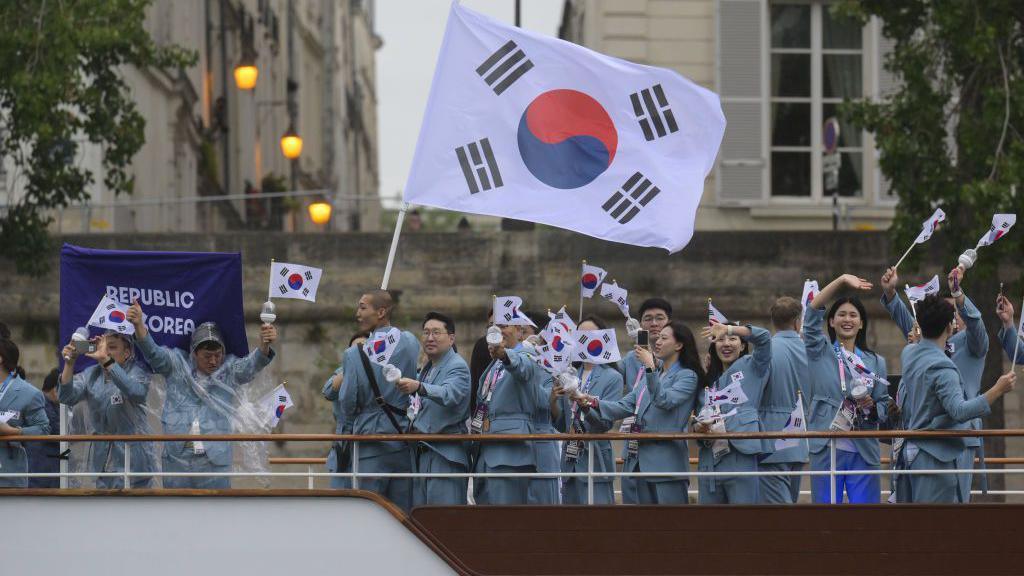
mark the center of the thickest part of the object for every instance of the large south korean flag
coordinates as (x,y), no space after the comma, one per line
(530,127)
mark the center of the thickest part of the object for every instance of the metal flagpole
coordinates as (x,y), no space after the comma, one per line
(394,246)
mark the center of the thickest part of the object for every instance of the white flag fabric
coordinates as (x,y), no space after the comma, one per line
(795,423)
(556,359)
(294,281)
(810,291)
(1001,224)
(381,345)
(714,316)
(590,278)
(111,315)
(731,395)
(558,333)
(616,295)
(275,403)
(596,346)
(929,226)
(526,126)
(921,291)
(1020,326)
(507,312)
(562,320)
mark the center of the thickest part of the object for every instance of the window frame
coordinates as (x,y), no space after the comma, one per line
(870,183)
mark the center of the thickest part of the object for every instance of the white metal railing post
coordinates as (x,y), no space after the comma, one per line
(127,464)
(355,465)
(832,469)
(309,470)
(590,474)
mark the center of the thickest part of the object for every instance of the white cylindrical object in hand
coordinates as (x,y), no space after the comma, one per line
(80,335)
(707,415)
(494,336)
(859,392)
(632,327)
(570,383)
(269,313)
(967,259)
(392,374)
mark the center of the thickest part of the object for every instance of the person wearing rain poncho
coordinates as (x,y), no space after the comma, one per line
(202,397)
(115,390)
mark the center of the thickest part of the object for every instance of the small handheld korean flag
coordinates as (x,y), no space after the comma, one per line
(111,315)
(921,291)
(1001,224)
(275,403)
(596,346)
(590,278)
(929,226)
(561,321)
(381,345)
(556,358)
(617,296)
(507,312)
(795,423)
(810,291)
(294,281)
(714,316)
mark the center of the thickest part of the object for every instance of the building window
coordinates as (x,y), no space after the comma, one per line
(817,60)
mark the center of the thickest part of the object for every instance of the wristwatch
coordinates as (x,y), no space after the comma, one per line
(108,363)
(957,294)
(648,370)
(728,329)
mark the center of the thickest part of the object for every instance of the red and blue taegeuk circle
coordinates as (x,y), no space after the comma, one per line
(595,348)
(379,346)
(589,281)
(566,138)
(280,410)
(116,317)
(557,343)
(295,281)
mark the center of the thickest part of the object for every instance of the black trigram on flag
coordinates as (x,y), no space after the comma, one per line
(478,166)
(111,306)
(284,272)
(282,399)
(504,67)
(305,291)
(626,203)
(391,339)
(282,288)
(648,112)
(308,275)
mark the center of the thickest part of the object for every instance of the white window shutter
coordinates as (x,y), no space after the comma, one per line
(740,175)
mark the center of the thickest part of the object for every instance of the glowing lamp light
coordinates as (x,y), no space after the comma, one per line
(246,73)
(320,212)
(291,144)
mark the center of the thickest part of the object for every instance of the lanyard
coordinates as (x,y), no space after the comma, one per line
(574,407)
(496,375)
(640,395)
(6,385)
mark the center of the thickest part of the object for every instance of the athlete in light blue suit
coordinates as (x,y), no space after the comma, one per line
(115,391)
(932,398)
(330,392)
(734,370)
(605,383)
(507,399)
(654,314)
(365,415)
(830,387)
(23,406)
(201,397)
(1008,331)
(440,404)
(785,388)
(544,491)
(967,348)
(663,403)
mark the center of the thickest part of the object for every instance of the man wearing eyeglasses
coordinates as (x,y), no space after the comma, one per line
(655,314)
(439,404)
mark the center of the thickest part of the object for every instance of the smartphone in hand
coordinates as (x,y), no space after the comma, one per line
(643,338)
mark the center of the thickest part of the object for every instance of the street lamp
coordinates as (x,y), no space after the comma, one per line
(320,212)
(246,72)
(291,144)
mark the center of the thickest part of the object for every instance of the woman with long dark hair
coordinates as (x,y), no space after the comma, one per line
(847,391)
(737,382)
(29,418)
(602,381)
(673,378)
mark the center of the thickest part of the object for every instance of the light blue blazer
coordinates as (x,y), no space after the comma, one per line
(606,384)
(27,403)
(444,404)
(788,375)
(511,410)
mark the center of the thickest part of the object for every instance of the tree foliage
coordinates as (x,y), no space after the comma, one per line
(62,84)
(952,135)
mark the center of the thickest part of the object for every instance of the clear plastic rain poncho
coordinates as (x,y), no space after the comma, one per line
(162,392)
